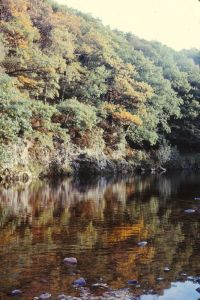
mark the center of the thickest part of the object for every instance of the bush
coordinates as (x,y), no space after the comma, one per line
(163,154)
(15,119)
(41,115)
(78,115)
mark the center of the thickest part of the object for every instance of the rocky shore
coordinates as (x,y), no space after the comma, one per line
(30,159)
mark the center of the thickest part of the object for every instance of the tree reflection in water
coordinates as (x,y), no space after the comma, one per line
(100,222)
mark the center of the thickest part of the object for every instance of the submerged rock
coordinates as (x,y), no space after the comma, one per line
(191,278)
(142,243)
(160,278)
(70,260)
(80,282)
(166,269)
(132,281)
(44,296)
(189,210)
(62,297)
(198,290)
(100,285)
(197,280)
(16,292)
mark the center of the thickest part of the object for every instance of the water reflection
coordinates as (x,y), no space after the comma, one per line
(100,222)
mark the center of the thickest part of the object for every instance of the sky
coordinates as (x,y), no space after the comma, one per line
(175,23)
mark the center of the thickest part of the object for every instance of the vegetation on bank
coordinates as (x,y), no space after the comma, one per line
(67,81)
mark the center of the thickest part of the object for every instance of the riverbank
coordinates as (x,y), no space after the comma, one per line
(30,159)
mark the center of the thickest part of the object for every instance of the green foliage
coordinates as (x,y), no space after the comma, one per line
(134,93)
(14,120)
(4,153)
(14,111)
(163,154)
(94,87)
(77,114)
(42,113)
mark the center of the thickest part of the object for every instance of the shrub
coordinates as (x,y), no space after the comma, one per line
(77,114)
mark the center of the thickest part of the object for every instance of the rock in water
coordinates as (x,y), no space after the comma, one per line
(132,281)
(44,296)
(142,243)
(166,269)
(191,278)
(80,282)
(70,260)
(160,278)
(198,290)
(190,210)
(62,297)
(100,285)
(16,293)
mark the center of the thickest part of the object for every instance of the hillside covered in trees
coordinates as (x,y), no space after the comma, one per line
(73,91)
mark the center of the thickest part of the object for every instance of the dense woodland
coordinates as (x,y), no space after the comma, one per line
(65,77)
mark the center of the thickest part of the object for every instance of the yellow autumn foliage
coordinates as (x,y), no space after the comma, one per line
(27,81)
(127,117)
(120,113)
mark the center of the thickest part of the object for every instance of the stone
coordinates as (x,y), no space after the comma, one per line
(70,260)
(191,278)
(166,269)
(142,243)
(190,210)
(80,282)
(16,292)
(198,290)
(100,285)
(132,281)
(62,297)
(160,278)
(44,296)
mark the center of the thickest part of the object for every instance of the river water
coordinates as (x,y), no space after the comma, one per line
(100,222)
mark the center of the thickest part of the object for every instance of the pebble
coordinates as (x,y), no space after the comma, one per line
(100,285)
(70,260)
(16,292)
(198,280)
(132,281)
(160,278)
(62,297)
(166,269)
(142,243)
(190,211)
(44,296)
(198,290)
(190,278)
(183,274)
(80,282)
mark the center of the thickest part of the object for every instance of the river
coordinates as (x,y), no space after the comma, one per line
(101,222)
